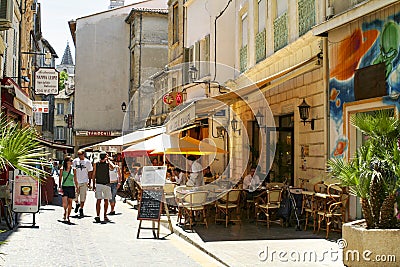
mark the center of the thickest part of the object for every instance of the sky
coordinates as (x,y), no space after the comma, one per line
(57,13)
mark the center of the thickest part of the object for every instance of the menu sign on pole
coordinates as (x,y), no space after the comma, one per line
(25,193)
(46,81)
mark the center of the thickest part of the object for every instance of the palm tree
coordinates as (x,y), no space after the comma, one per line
(373,173)
(19,148)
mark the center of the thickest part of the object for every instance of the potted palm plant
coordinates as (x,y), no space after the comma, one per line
(19,148)
(372,175)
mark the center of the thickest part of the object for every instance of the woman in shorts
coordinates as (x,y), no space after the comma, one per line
(67,182)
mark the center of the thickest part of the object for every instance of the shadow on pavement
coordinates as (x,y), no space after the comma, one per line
(250,231)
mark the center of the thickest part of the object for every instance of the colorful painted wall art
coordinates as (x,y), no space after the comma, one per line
(374,42)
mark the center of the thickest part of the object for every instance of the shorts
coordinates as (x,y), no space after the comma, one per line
(68,191)
(82,188)
(102,192)
(113,187)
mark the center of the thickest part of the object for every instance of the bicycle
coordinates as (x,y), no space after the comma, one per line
(6,206)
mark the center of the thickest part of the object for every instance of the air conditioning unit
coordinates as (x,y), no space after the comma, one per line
(6,14)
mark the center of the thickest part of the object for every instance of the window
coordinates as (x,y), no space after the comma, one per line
(261,15)
(281,7)
(59,133)
(60,108)
(243,48)
(244,30)
(175,23)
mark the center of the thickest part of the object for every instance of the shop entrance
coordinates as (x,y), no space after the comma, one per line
(282,168)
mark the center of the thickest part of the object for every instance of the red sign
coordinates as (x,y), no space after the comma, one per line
(99,133)
(173,99)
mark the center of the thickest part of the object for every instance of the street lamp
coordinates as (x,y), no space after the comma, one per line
(260,117)
(234,125)
(304,110)
(193,73)
(123,106)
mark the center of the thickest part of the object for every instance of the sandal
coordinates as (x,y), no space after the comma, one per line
(65,215)
(106,219)
(97,219)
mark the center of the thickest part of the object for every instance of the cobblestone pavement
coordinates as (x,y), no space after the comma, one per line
(84,243)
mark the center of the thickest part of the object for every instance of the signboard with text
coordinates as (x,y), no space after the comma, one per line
(98,133)
(25,193)
(181,119)
(40,106)
(46,81)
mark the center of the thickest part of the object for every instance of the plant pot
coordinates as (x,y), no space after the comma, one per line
(370,247)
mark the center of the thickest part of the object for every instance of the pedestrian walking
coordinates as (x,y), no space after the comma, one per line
(68,181)
(101,180)
(83,172)
(115,183)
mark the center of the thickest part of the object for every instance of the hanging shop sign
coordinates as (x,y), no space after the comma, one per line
(181,119)
(40,106)
(173,99)
(46,81)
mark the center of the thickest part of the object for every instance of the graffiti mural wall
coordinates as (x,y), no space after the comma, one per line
(369,43)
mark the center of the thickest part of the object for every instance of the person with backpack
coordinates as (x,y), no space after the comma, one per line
(101,181)
(67,182)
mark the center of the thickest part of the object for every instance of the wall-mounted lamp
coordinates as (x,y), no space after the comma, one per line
(260,117)
(234,125)
(123,106)
(220,131)
(304,110)
(193,73)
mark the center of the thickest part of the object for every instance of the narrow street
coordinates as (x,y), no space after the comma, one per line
(84,243)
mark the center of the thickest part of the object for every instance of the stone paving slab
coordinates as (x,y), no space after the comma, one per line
(251,245)
(85,243)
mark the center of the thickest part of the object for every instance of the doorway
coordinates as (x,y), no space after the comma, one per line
(282,168)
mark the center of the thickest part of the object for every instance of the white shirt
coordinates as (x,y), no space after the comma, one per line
(180,179)
(196,177)
(250,182)
(114,174)
(82,167)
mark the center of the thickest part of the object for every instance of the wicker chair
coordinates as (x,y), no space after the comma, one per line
(274,197)
(228,202)
(194,202)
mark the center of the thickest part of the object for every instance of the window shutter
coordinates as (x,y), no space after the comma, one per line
(6,14)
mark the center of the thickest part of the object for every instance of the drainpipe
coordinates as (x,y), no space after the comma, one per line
(215,38)
(20,43)
(140,62)
(325,66)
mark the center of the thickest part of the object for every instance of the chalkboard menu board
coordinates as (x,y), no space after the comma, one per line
(150,204)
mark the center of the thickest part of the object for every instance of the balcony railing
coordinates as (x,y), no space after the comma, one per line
(243,58)
(260,46)
(280,31)
(306,15)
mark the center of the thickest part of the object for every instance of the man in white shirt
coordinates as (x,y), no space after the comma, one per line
(196,175)
(83,173)
(252,180)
